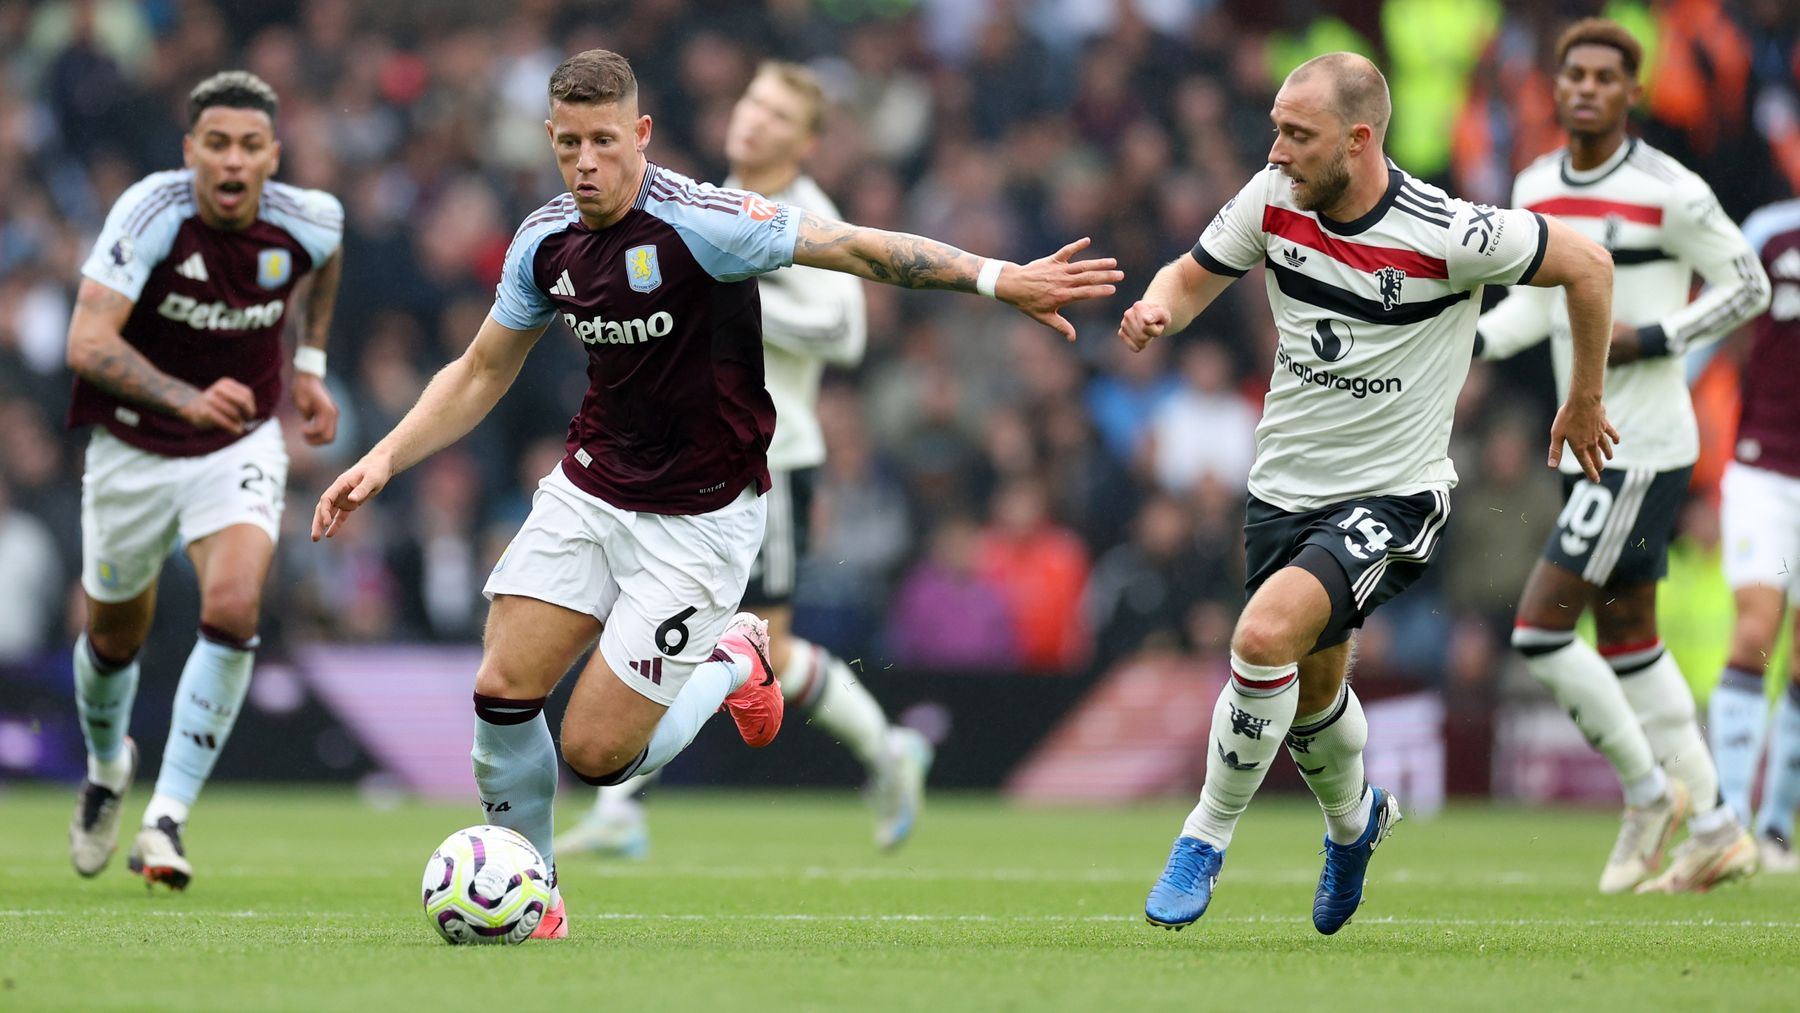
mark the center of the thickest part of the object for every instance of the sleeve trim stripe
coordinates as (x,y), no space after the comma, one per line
(152,211)
(1537,259)
(1214,264)
(151,203)
(1426,217)
(291,210)
(1426,199)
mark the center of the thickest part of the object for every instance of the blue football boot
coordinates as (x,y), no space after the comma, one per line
(1181,894)
(1341,882)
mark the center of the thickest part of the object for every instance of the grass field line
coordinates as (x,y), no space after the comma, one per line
(1278,877)
(1022,919)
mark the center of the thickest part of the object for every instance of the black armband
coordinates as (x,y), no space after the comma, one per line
(1653,342)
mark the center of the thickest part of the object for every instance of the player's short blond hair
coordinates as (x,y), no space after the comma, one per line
(803,82)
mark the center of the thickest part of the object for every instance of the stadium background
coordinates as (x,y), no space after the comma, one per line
(1012,534)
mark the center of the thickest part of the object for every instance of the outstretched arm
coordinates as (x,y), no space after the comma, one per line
(1583,269)
(1039,289)
(99,354)
(1178,294)
(458,398)
(318,413)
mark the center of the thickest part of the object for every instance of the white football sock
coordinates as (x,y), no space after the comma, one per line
(1736,716)
(1586,687)
(611,798)
(1328,749)
(835,700)
(207,701)
(1665,708)
(1249,720)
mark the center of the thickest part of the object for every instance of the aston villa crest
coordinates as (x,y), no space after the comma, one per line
(642,270)
(274,268)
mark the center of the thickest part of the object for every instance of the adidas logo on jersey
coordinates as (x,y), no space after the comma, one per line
(563,287)
(217,316)
(621,332)
(1293,257)
(193,267)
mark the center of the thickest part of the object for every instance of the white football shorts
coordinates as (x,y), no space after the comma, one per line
(136,506)
(1759,517)
(664,586)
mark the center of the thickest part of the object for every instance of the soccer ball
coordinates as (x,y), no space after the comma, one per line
(486,884)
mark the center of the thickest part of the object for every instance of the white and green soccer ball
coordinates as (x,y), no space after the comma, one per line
(486,884)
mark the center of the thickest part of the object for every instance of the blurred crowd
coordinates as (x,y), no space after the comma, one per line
(994,498)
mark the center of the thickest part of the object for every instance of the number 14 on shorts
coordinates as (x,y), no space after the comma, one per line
(1376,535)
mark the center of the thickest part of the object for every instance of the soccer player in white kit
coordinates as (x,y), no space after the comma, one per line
(643,536)
(811,319)
(1610,544)
(1375,281)
(1759,517)
(177,351)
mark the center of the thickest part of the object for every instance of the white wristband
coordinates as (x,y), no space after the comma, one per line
(310,360)
(989,275)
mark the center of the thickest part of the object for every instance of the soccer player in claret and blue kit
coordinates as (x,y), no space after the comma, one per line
(1374,278)
(1759,514)
(810,319)
(643,536)
(177,352)
(1662,225)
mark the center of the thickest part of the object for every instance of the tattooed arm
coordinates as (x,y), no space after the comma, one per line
(1039,289)
(318,412)
(99,354)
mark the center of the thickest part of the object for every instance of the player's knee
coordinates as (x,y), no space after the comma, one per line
(597,759)
(115,648)
(233,607)
(496,678)
(1262,639)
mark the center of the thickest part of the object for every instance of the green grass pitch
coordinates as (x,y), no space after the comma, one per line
(308,900)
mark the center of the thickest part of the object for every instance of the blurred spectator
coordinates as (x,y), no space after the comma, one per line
(1142,592)
(1124,400)
(946,615)
(29,561)
(1041,569)
(1504,510)
(1205,429)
